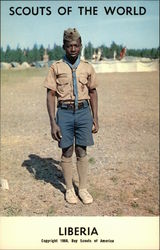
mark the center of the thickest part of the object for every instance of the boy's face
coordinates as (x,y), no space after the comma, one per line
(72,49)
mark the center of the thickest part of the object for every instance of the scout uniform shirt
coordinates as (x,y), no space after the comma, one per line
(60,80)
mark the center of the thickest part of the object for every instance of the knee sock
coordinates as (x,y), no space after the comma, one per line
(82,169)
(66,164)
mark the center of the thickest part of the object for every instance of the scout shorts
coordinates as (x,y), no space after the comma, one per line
(76,126)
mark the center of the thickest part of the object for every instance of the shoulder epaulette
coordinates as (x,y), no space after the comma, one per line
(54,63)
(59,61)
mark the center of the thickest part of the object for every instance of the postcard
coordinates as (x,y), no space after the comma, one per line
(79,125)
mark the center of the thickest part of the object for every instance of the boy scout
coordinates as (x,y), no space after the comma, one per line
(73,82)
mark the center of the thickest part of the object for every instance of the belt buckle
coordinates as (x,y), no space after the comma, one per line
(70,106)
(80,105)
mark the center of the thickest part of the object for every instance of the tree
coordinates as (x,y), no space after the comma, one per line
(19,55)
(154,53)
(58,52)
(8,54)
(35,53)
(88,51)
(41,52)
(2,55)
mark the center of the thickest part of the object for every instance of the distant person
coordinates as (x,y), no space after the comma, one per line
(73,82)
(122,53)
(114,55)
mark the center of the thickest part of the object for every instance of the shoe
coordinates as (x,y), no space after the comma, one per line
(71,196)
(85,196)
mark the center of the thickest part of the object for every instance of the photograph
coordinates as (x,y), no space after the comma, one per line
(80,124)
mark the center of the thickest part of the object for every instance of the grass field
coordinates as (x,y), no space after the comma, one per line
(17,75)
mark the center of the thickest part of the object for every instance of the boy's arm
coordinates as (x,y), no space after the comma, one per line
(55,130)
(94,107)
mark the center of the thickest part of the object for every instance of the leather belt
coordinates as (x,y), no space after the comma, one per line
(71,106)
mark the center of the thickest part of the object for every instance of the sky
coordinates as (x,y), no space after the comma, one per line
(132,31)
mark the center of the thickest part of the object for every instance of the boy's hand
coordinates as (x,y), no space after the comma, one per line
(95,127)
(56,132)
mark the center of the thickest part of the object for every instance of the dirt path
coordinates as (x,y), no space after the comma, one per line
(123,174)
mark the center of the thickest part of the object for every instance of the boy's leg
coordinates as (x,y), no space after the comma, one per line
(82,165)
(66,164)
(82,169)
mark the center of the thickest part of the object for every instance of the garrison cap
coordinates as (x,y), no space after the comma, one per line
(71,35)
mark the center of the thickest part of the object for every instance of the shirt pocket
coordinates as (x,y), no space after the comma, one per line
(83,83)
(63,84)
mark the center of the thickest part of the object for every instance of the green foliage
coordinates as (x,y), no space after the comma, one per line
(57,52)
(36,53)
(2,55)
(41,52)
(148,53)
(92,160)
(12,211)
(51,211)
(88,51)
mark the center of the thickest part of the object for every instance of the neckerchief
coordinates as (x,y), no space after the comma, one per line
(73,68)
